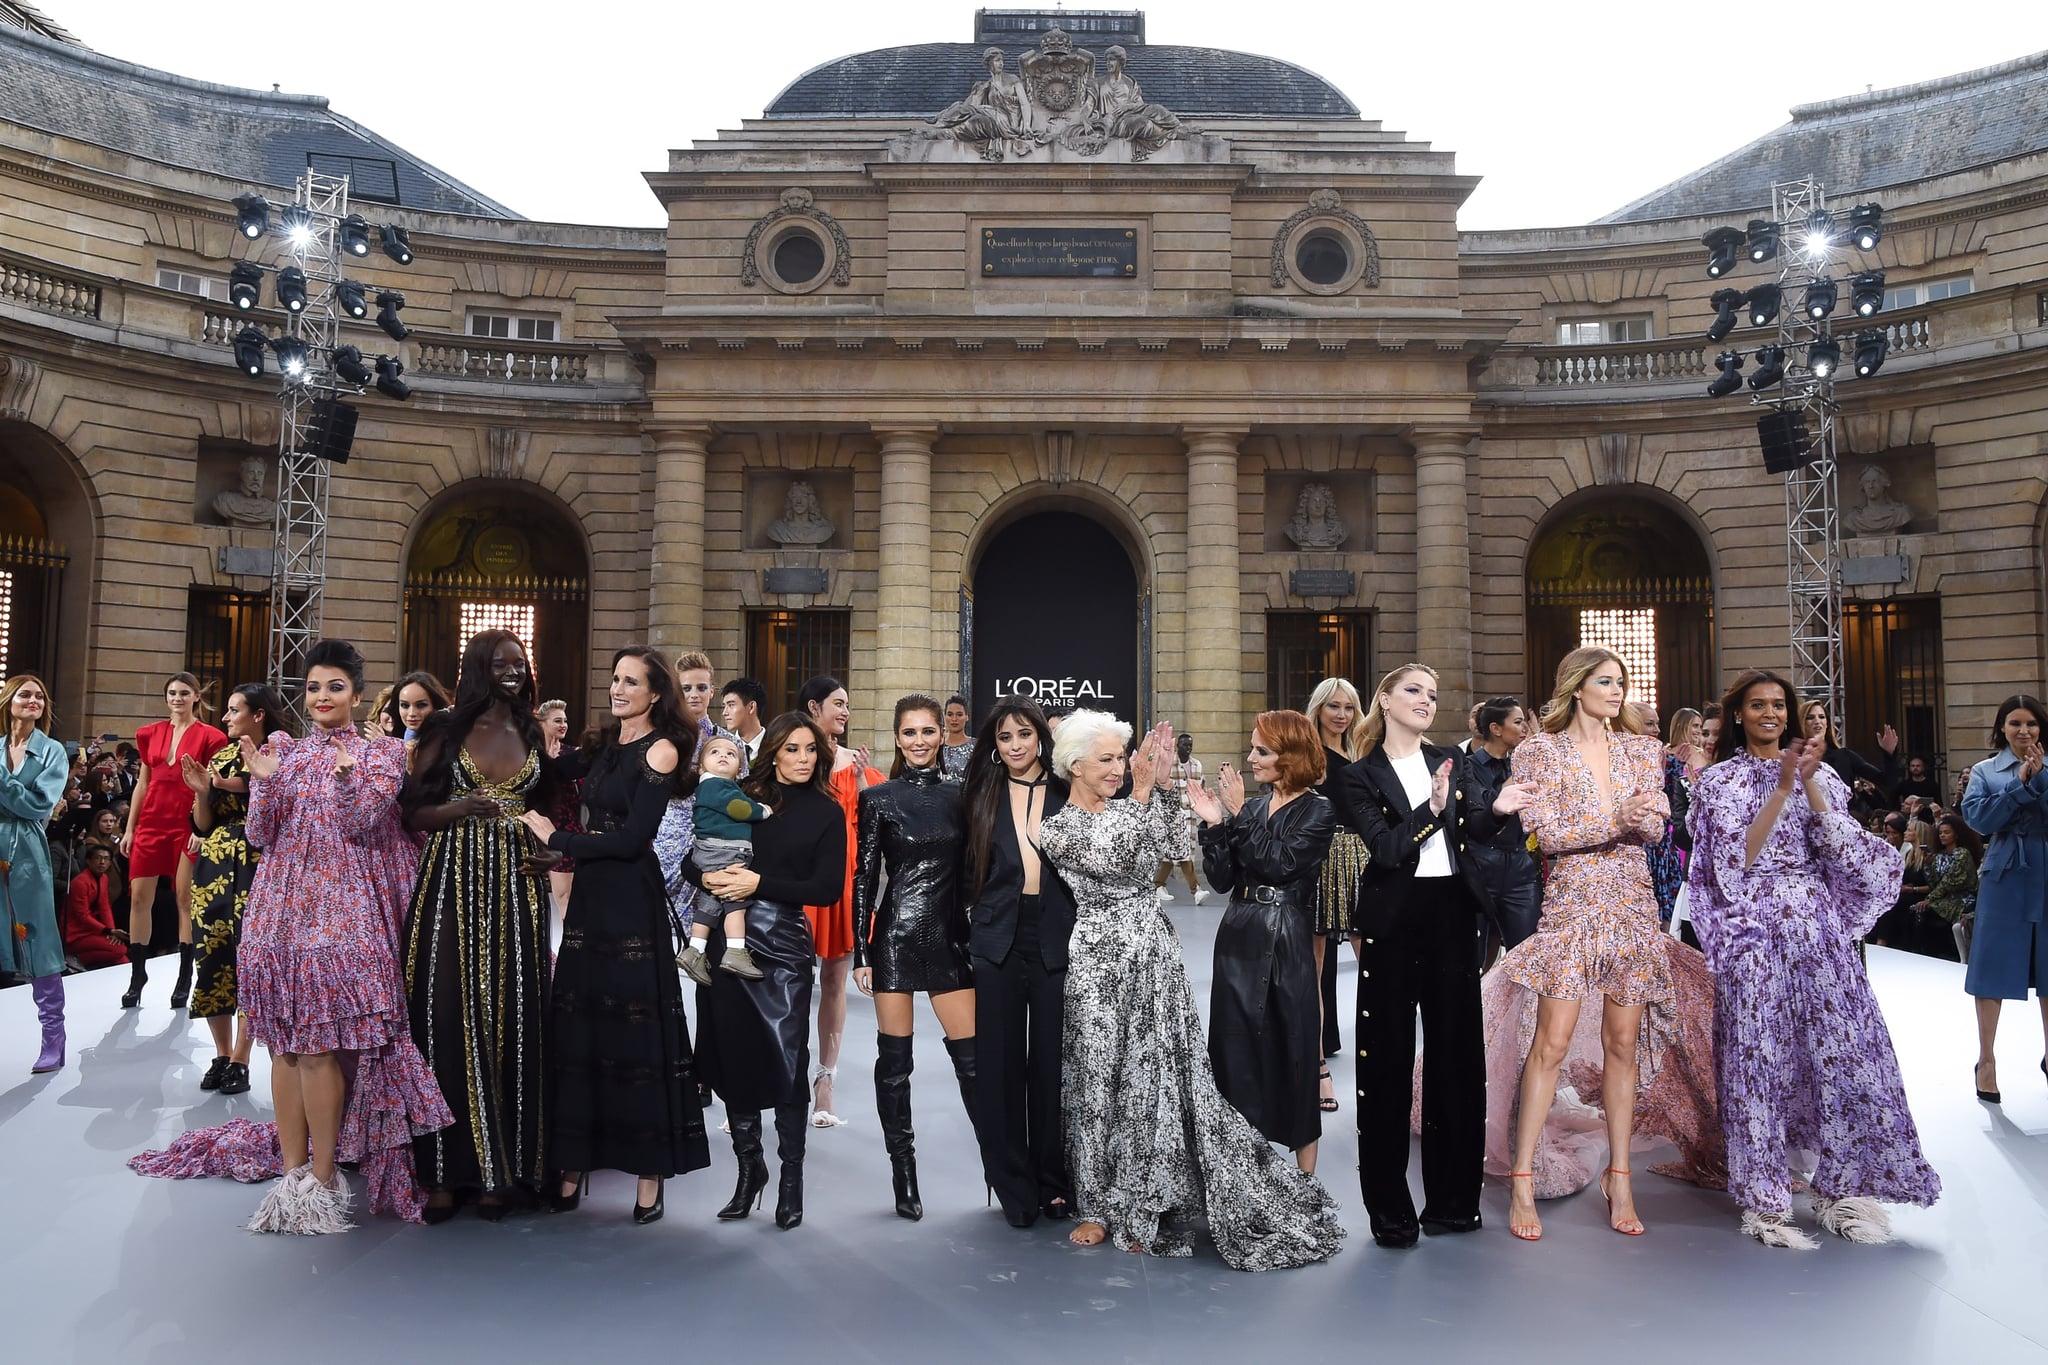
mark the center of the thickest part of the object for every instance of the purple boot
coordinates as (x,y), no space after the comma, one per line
(49,996)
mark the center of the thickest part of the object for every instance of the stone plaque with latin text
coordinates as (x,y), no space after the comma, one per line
(1069,252)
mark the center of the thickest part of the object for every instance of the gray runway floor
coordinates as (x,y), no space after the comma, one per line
(99,1265)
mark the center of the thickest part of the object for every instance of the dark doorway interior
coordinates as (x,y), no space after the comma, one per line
(1056,618)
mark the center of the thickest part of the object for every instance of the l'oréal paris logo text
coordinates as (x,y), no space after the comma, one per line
(1059,690)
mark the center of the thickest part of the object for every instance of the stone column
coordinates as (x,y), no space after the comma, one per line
(1443,574)
(1214,684)
(903,596)
(675,580)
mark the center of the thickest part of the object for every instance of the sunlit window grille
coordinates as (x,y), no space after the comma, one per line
(6,618)
(517,617)
(1632,635)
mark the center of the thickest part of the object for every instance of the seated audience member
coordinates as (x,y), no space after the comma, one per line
(1918,781)
(90,935)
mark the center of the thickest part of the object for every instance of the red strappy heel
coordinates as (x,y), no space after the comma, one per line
(1635,1231)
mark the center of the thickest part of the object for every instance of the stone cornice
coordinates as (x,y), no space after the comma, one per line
(794,330)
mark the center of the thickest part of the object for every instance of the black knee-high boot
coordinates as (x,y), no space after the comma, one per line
(792,1125)
(181,993)
(962,1051)
(138,975)
(893,1064)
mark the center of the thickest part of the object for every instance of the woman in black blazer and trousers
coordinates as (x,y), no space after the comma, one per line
(1418,949)
(1019,924)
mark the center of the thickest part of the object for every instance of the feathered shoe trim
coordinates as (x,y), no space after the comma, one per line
(279,1211)
(1855,1220)
(1776,1230)
(300,1205)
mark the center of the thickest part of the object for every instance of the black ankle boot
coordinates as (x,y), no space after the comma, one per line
(138,975)
(182,991)
(746,1146)
(792,1122)
(893,1062)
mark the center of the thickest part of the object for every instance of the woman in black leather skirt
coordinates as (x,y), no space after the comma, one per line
(1265,1032)
(912,936)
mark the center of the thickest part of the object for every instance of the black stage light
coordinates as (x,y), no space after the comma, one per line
(1722,244)
(1763,239)
(388,304)
(1820,230)
(245,284)
(331,430)
(1730,378)
(1824,357)
(1871,348)
(349,294)
(348,364)
(397,243)
(1819,300)
(388,382)
(293,359)
(291,289)
(1866,226)
(1786,444)
(296,222)
(1727,303)
(1770,367)
(1765,301)
(249,344)
(252,215)
(355,235)
(1866,293)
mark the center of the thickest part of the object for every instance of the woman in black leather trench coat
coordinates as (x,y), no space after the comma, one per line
(1265,1030)
(912,936)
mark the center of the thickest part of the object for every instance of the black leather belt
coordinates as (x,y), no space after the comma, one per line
(1261,895)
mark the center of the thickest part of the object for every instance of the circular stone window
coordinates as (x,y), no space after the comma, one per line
(1322,258)
(1326,254)
(798,259)
(795,257)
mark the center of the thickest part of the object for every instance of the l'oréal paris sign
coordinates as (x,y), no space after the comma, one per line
(1050,693)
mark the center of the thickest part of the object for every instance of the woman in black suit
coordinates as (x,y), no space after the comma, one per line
(1021,918)
(1419,949)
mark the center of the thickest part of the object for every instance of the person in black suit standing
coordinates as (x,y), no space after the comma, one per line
(1419,926)
(1021,917)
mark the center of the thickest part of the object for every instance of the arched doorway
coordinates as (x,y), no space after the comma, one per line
(46,527)
(1628,573)
(1054,614)
(496,556)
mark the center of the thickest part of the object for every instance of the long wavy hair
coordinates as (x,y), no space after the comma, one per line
(1332,687)
(666,717)
(763,785)
(432,686)
(261,697)
(1731,740)
(13,685)
(985,792)
(201,708)
(447,730)
(916,701)
(1373,728)
(1572,672)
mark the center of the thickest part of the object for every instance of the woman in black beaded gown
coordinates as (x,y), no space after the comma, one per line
(622,1085)
(912,936)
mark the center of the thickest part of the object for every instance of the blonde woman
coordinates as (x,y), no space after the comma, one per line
(1682,733)
(1339,719)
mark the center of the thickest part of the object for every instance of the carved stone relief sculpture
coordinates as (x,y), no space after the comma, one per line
(1880,513)
(803,520)
(247,506)
(996,115)
(1057,98)
(798,207)
(1316,524)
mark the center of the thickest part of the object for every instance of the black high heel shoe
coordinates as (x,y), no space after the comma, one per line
(566,1203)
(435,1214)
(650,1213)
(749,1194)
(789,1196)
(1989,1096)
(493,1208)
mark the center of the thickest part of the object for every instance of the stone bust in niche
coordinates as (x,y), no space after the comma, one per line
(1316,525)
(248,506)
(1881,513)
(803,521)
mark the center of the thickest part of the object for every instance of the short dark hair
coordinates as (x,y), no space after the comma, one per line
(747,690)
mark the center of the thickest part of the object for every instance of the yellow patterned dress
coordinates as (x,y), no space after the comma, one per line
(221,877)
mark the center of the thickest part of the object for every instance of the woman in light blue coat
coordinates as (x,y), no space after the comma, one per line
(32,774)
(2007,802)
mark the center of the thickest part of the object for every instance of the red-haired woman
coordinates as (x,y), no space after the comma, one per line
(160,828)
(1265,1031)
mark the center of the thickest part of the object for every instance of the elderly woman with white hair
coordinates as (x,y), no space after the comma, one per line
(1149,1137)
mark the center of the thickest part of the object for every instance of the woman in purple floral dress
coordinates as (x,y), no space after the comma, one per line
(1783,883)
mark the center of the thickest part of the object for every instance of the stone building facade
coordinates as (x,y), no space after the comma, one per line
(1109,371)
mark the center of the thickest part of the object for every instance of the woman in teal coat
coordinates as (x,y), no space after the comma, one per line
(32,778)
(2007,802)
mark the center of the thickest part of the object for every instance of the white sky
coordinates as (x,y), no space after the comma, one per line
(1567,111)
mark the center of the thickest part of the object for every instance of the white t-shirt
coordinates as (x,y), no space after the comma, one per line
(1415,781)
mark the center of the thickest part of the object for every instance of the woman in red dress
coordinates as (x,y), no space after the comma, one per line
(160,828)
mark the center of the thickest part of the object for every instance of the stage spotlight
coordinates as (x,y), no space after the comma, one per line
(252,215)
(1824,357)
(1763,239)
(1866,226)
(249,344)
(1727,303)
(355,235)
(349,294)
(388,382)
(291,289)
(1730,378)
(348,364)
(388,304)
(1820,233)
(296,221)
(1765,301)
(397,243)
(1870,353)
(1819,300)
(293,359)
(245,284)
(1866,293)
(1770,367)
(1722,244)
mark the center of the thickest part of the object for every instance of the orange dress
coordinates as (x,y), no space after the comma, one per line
(832,925)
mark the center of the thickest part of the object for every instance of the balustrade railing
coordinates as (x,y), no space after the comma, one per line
(46,290)
(507,362)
